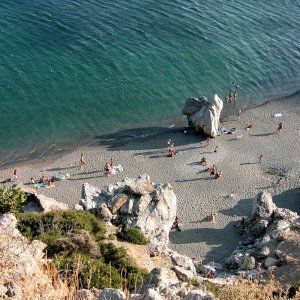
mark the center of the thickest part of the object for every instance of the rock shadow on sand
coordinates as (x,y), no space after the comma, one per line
(223,241)
(242,208)
(289,199)
(150,138)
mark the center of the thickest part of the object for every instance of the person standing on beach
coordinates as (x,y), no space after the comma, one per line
(279,129)
(15,175)
(260,159)
(239,112)
(82,161)
(208,141)
(234,95)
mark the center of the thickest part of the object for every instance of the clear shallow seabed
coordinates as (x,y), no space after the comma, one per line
(73,70)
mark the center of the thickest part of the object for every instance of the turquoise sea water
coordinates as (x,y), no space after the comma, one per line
(72,70)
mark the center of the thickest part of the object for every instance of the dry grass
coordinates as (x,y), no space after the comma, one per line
(254,290)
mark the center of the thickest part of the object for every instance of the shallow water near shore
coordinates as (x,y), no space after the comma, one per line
(73,71)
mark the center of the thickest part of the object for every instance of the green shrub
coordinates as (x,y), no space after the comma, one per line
(119,259)
(133,235)
(54,226)
(78,240)
(212,288)
(96,272)
(11,199)
(74,240)
(90,272)
(293,289)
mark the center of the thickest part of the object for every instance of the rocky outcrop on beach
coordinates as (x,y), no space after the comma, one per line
(37,202)
(22,275)
(163,283)
(136,203)
(264,237)
(203,115)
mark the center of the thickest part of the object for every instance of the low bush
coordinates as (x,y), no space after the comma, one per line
(86,272)
(11,199)
(55,226)
(133,235)
(113,269)
(119,259)
(74,241)
(77,241)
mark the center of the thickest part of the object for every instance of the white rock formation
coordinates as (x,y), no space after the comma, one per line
(263,234)
(203,115)
(21,273)
(111,294)
(137,203)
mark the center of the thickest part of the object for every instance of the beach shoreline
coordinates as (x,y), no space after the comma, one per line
(197,194)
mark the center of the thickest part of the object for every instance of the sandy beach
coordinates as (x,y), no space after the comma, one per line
(197,193)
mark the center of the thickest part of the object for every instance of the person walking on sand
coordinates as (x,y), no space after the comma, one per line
(239,112)
(260,159)
(82,161)
(279,129)
(15,175)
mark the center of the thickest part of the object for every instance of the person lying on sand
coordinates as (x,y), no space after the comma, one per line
(218,175)
(212,170)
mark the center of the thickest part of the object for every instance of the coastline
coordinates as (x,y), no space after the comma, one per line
(197,194)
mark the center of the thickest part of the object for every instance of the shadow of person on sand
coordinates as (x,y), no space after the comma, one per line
(262,134)
(248,163)
(223,240)
(199,221)
(195,179)
(61,169)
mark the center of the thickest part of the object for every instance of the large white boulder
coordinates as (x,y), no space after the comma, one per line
(137,203)
(203,115)
(263,206)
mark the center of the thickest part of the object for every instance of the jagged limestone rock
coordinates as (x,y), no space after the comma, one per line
(137,203)
(203,115)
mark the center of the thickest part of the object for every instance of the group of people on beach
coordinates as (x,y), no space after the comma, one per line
(108,167)
(43,180)
(232,95)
